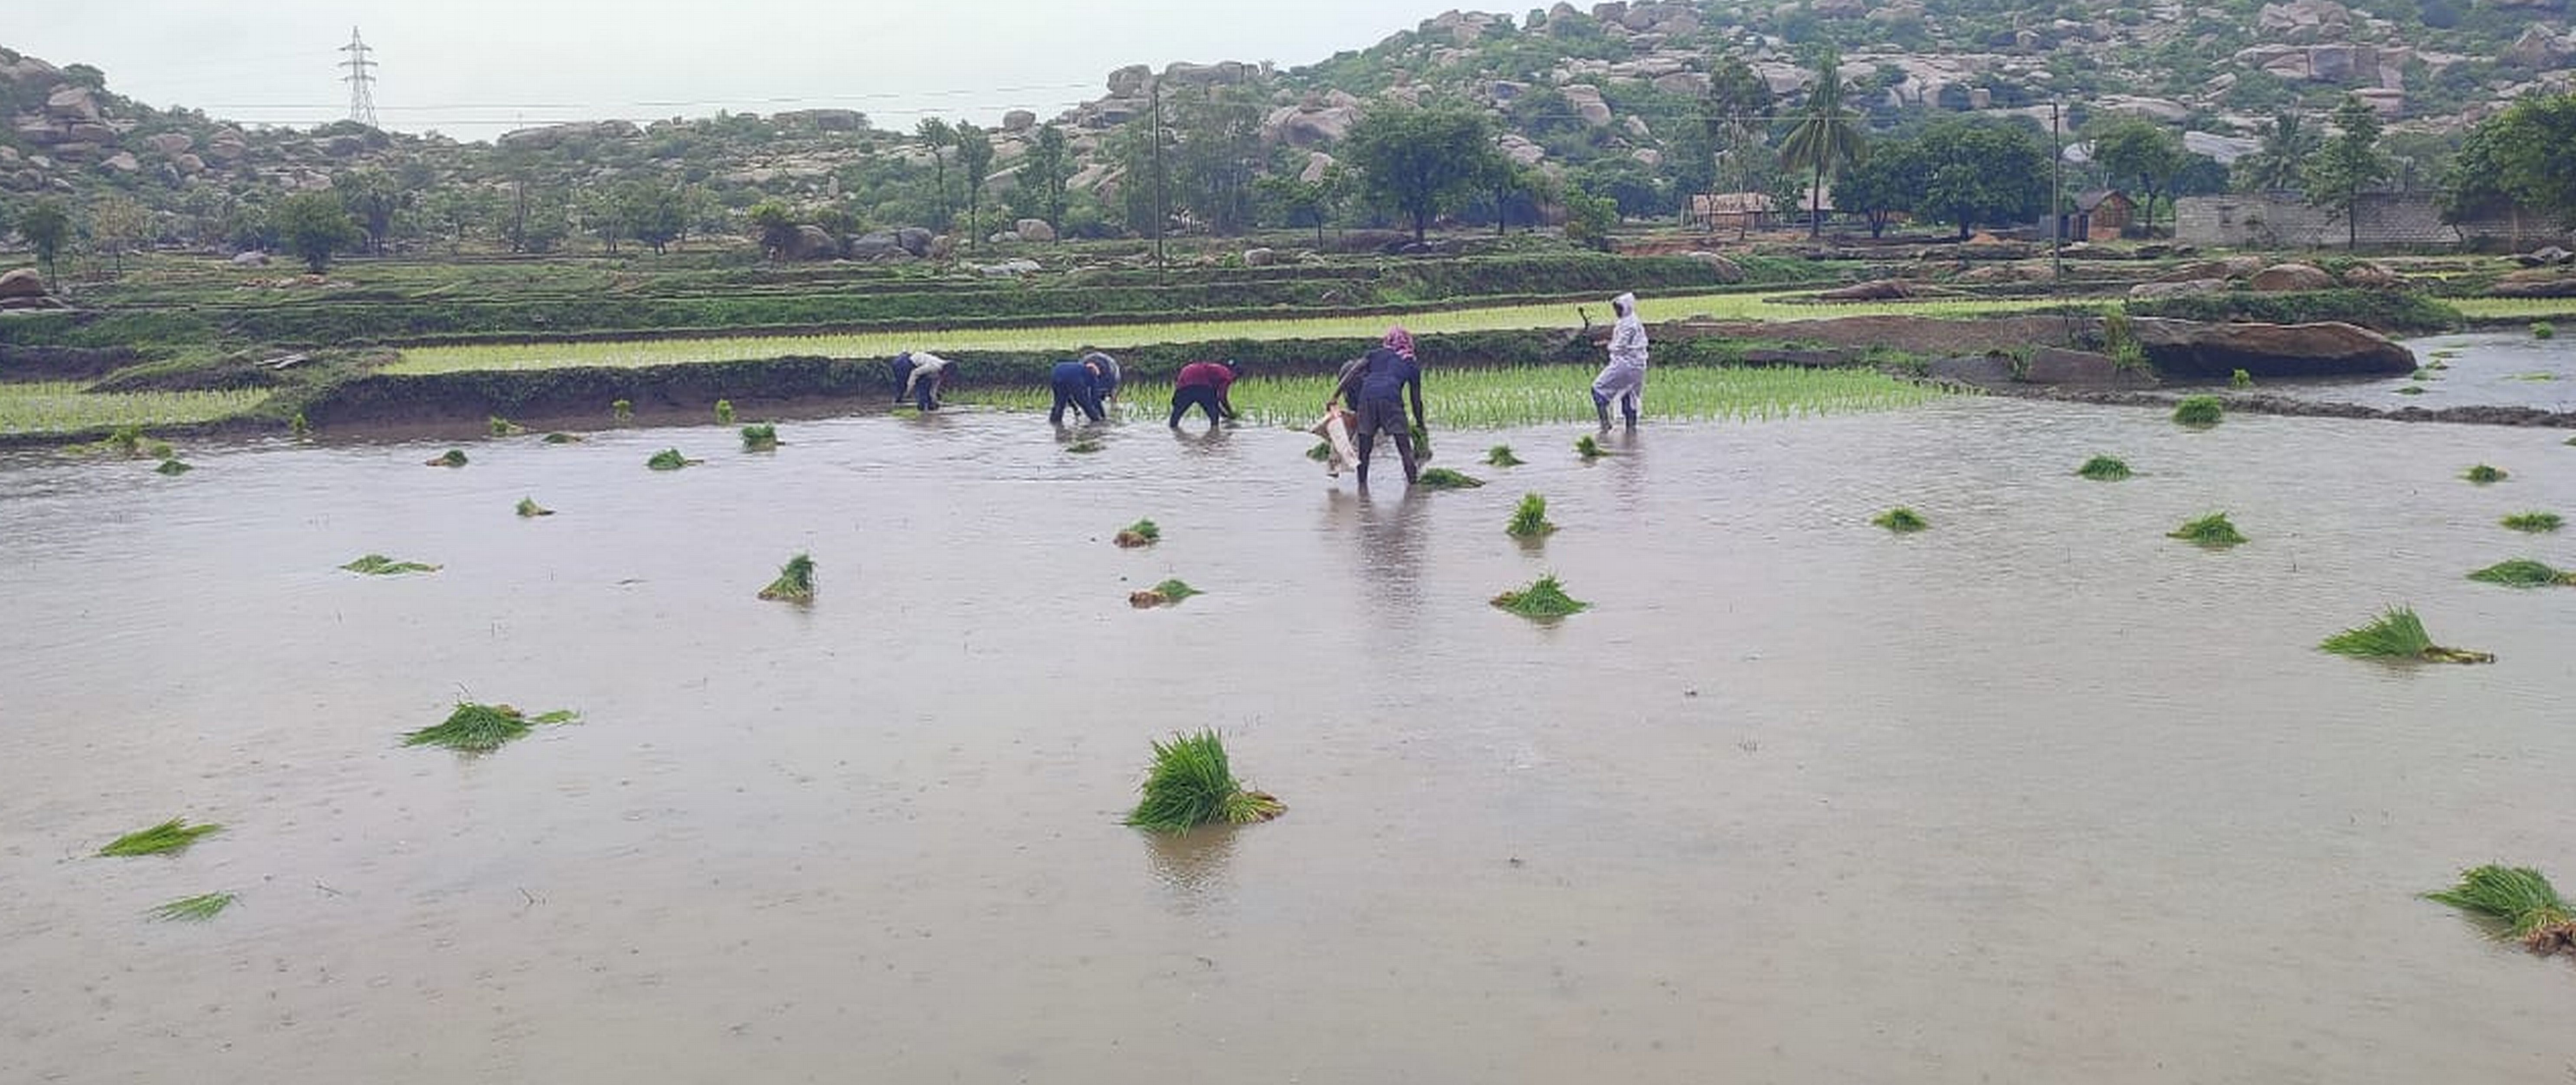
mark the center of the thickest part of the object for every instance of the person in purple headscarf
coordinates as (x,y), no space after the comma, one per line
(1378,386)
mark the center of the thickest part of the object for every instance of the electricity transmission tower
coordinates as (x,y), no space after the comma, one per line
(362,97)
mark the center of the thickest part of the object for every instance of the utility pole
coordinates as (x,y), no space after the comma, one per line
(362,96)
(2056,199)
(1154,97)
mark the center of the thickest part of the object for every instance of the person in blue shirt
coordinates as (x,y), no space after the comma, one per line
(920,376)
(1378,387)
(1076,384)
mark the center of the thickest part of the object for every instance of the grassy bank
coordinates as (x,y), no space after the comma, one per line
(1526,395)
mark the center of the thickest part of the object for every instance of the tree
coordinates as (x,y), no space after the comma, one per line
(2347,165)
(2518,158)
(1296,198)
(777,225)
(1826,137)
(1982,171)
(655,214)
(1735,114)
(2281,162)
(120,225)
(46,227)
(374,198)
(1420,161)
(936,135)
(1217,153)
(1885,184)
(1043,173)
(975,156)
(1589,219)
(315,225)
(2146,155)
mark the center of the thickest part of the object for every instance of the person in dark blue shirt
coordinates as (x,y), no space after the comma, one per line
(1076,384)
(1379,387)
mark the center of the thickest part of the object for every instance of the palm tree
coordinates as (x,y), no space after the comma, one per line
(2278,165)
(1826,138)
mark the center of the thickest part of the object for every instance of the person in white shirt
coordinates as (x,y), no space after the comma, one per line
(920,376)
(1624,380)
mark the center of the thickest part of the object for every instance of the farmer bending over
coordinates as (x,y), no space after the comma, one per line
(1379,387)
(920,376)
(1204,385)
(1109,375)
(1076,384)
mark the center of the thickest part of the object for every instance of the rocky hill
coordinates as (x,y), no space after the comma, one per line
(1608,96)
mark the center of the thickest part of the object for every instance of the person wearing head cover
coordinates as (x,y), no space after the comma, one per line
(1076,384)
(1206,386)
(1109,375)
(1379,387)
(920,376)
(1623,381)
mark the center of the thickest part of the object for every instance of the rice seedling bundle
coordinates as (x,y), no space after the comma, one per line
(528,507)
(126,440)
(503,427)
(1083,447)
(1191,783)
(1544,598)
(2212,531)
(2534,522)
(196,909)
(2483,474)
(2423,374)
(1442,478)
(2411,390)
(2520,901)
(1322,451)
(2199,411)
(380,565)
(724,412)
(1901,520)
(2522,573)
(482,728)
(2398,634)
(454,457)
(669,459)
(795,583)
(759,437)
(1589,449)
(1140,533)
(298,427)
(1501,456)
(1175,590)
(2104,469)
(622,410)
(168,838)
(2240,379)
(173,467)
(2542,329)
(159,450)
(1529,518)
(560,438)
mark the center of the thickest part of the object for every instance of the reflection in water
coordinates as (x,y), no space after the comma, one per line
(1393,536)
(1195,867)
(1197,442)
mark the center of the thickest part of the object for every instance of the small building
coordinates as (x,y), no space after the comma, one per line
(2103,214)
(1737,211)
(2380,220)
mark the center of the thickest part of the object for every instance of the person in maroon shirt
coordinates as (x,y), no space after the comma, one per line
(1203,385)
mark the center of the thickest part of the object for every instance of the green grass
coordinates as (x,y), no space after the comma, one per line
(1140,533)
(2534,522)
(173,467)
(2522,573)
(482,728)
(2240,379)
(1588,449)
(1901,520)
(2513,308)
(528,507)
(724,412)
(2104,469)
(1442,478)
(2200,411)
(62,407)
(298,428)
(2483,474)
(1545,598)
(669,459)
(2542,329)
(1123,335)
(759,437)
(1529,518)
(1191,783)
(1501,456)
(621,411)
(168,838)
(795,583)
(2397,634)
(2212,531)
(380,565)
(454,457)
(196,909)
(2519,901)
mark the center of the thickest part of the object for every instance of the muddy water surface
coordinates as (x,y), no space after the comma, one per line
(2037,795)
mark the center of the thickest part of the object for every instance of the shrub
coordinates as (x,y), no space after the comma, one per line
(1191,783)
(2199,411)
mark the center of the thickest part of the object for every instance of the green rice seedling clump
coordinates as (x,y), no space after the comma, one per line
(759,437)
(168,838)
(1501,456)
(173,467)
(795,583)
(503,427)
(2200,410)
(2522,573)
(2398,634)
(2483,474)
(1322,451)
(482,728)
(2542,329)
(1901,520)
(2534,522)
(1588,448)
(2104,469)
(159,450)
(196,909)
(380,565)
(454,457)
(669,459)
(1192,783)
(126,440)
(528,507)
(1176,590)
(2212,531)
(560,438)
(1529,518)
(622,410)
(1085,446)
(2520,901)
(724,412)
(1442,478)
(1544,598)
(2421,374)
(1140,533)
(298,427)
(2240,379)
(2411,390)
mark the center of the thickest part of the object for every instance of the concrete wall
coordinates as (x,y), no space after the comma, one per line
(2388,220)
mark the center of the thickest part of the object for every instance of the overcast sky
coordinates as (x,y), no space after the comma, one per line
(475,68)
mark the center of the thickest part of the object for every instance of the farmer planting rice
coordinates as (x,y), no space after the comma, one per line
(1109,372)
(920,376)
(1379,387)
(1624,380)
(1204,385)
(1076,384)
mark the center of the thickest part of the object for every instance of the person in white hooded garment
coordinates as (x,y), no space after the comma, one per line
(1623,381)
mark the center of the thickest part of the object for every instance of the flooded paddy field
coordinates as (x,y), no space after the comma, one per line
(2479,369)
(2037,794)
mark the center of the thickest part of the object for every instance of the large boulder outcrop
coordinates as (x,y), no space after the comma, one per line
(2285,278)
(547,137)
(21,283)
(1587,102)
(1034,230)
(812,243)
(2183,348)
(72,105)
(2535,283)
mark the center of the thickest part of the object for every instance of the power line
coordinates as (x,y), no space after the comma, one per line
(362,96)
